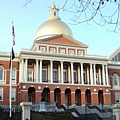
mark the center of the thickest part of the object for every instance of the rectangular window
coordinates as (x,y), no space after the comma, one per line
(52,50)
(75,76)
(30,75)
(81,52)
(44,74)
(65,76)
(42,49)
(117,98)
(84,77)
(112,59)
(71,52)
(116,58)
(1,74)
(30,63)
(119,56)
(13,73)
(1,94)
(97,78)
(62,51)
(13,94)
(55,75)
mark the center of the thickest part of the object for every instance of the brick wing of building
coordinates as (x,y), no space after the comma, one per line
(57,69)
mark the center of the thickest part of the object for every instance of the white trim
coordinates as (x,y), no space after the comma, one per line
(24,90)
(2,93)
(51,91)
(72,92)
(93,93)
(105,93)
(37,91)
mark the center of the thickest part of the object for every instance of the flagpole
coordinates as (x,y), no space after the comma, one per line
(11,58)
(10,84)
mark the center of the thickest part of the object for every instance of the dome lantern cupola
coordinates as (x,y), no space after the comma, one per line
(53,12)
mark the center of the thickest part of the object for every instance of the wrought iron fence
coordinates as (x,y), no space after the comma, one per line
(15,115)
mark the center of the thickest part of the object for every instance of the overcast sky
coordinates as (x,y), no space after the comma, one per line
(28,19)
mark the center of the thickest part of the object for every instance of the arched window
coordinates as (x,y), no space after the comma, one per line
(115,79)
(1,73)
(13,74)
(54,13)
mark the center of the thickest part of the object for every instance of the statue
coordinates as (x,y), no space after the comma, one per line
(43,97)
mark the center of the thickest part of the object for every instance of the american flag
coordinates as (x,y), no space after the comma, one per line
(13,33)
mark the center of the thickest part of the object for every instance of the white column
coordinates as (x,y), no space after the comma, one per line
(62,72)
(78,74)
(26,69)
(36,70)
(116,111)
(103,74)
(99,70)
(69,80)
(94,74)
(51,71)
(82,73)
(88,80)
(91,74)
(40,71)
(72,73)
(106,75)
(58,73)
(22,69)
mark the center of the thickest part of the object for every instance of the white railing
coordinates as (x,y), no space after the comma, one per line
(66,53)
(8,53)
(4,53)
(55,53)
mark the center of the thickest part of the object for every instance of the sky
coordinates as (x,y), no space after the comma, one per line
(28,18)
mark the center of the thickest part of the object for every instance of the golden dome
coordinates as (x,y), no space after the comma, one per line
(53,26)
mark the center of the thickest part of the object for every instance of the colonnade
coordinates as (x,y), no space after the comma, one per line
(91,76)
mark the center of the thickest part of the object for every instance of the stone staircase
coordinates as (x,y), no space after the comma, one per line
(84,112)
(91,111)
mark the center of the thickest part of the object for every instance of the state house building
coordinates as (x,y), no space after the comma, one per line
(58,67)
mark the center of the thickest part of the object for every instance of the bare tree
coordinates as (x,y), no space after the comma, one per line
(102,12)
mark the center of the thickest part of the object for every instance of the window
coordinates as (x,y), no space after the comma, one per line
(65,76)
(75,76)
(42,49)
(115,79)
(44,74)
(1,73)
(84,77)
(116,58)
(13,74)
(54,13)
(117,98)
(71,52)
(112,59)
(1,94)
(52,50)
(54,75)
(13,94)
(80,52)
(30,75)
(62,51)
(97,78)
(30,63)
(119,56)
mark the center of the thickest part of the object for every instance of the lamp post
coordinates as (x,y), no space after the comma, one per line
(85,110)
